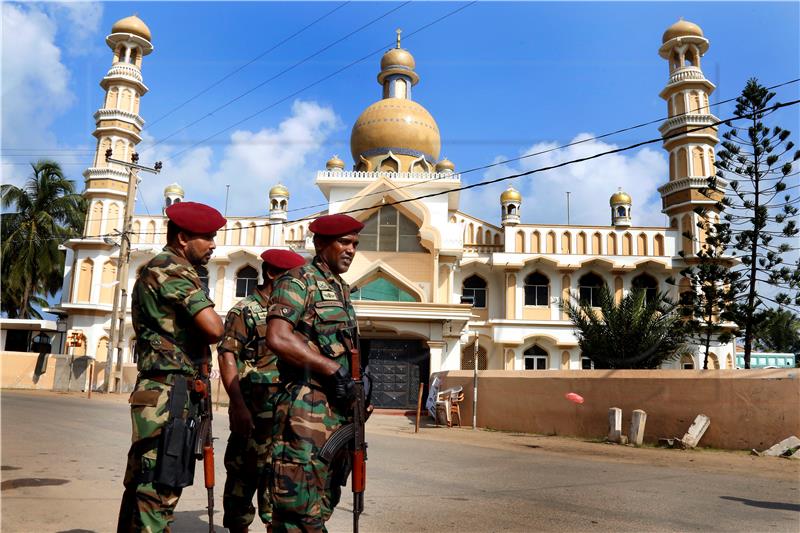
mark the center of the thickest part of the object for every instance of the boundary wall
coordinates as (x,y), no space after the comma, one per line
(748,408)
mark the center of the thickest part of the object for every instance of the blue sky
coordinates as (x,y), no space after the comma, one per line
(501,80)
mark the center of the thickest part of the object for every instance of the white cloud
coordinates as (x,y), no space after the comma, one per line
(251,164)
(35,80)
(590,183)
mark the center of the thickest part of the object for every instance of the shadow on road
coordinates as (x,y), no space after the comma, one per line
(764,505)
(30,482)
(195,521)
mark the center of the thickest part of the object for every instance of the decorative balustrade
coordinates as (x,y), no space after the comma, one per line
(690,183)
(483,248)
(686,73)
(689,119)
(126,70)
(397,176)
(119,114)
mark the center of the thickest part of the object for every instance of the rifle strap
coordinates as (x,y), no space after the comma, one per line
(177,398)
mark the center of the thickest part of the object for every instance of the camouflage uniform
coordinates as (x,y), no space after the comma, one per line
(247,460)
(317,303)
(166,297)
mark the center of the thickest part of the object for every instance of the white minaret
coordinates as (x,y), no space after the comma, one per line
(620,203)
(173,194)
(510,203)
(278,207)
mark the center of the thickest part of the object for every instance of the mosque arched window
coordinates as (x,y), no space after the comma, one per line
(621,211)
(388,230)
(475,287)
(590,286)
(468,357)
(537,289)
(535,358)
(383,290)
(246,281)
(511,209)
(648,284)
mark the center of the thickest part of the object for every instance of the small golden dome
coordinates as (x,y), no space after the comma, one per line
(682,28)
(134,25)
(334,162)
(398,57)
(173,189)
(279,190)
(395,124)
(445,164)
(620,197)
(511,195)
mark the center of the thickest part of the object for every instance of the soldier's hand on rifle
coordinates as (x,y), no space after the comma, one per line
(241,419)
(340,387)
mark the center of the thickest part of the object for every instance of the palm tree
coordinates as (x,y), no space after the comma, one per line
(41,215)
(639,332)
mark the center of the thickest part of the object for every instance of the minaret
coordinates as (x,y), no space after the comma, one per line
(278,207)
(118,126)
(620,203)
(691,153)
(173,194)
(510,203)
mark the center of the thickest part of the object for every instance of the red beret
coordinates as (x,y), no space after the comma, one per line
(195,218)
(283,259)
(333,225)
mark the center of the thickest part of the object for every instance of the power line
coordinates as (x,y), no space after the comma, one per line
(278,75)
(520,174)
(325,78)
(245,65)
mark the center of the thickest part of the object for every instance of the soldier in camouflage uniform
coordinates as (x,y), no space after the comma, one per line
(249,372)
(309,312)
(174,322)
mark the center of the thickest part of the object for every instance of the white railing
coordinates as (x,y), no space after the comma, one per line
(397,176)
(483,248)
(690,183)
(119,114)
(686,73)
(689,119)
(126,70)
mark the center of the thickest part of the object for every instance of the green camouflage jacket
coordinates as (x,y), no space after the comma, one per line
(166,297)
(317,303)
(245,338)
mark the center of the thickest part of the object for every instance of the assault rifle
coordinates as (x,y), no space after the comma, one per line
(204,447)
(352,434)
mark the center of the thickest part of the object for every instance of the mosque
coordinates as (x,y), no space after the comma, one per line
(429,278)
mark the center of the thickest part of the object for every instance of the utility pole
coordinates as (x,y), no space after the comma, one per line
(475,382)
(120,305)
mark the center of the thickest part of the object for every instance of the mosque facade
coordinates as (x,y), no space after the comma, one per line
(429,279)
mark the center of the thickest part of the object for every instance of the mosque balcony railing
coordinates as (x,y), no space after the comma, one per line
(695,182)
(338,175)
(119,114)
(691,119)
(483,248)
(125,69)
(686,73)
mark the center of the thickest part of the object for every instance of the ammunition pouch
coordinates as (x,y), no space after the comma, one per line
(176,448)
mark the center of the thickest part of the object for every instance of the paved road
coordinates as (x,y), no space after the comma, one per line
(63,460)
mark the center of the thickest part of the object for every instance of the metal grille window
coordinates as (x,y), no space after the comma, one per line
(475,287)
(589,286)
(246,281)
(535,358)
(389,230)
(537,289)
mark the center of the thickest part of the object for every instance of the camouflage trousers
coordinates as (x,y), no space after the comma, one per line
(303,491)
(247,461)
(147,506)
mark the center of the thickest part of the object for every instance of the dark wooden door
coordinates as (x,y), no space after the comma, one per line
(396,366)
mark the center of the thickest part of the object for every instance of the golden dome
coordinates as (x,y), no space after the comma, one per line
(134,25)
(173,188)
(334,162)
(396,124)
(398,57)
(279,190)
(682,28)
(620,197)
(445,164)
(511,195)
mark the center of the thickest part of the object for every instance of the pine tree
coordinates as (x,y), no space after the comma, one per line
(756,161)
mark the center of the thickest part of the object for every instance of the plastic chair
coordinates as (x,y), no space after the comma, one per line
(456,397)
